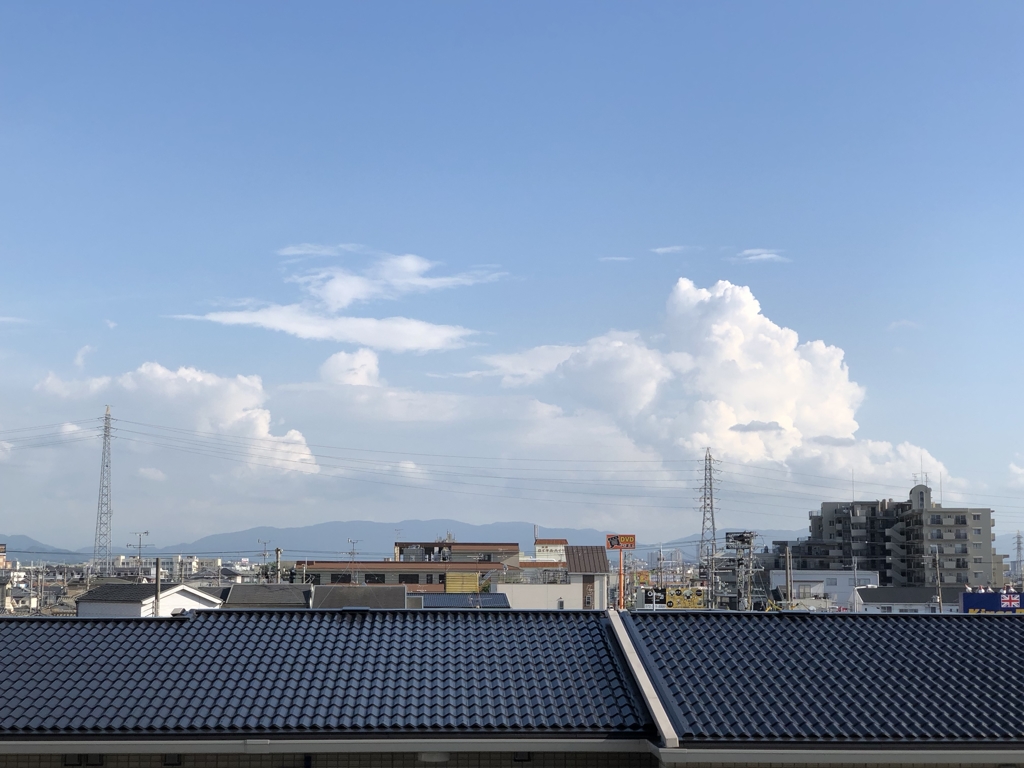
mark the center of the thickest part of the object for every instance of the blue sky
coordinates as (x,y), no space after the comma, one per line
(856,167)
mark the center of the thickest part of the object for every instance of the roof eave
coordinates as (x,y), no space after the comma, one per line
(937,754)
(395,743)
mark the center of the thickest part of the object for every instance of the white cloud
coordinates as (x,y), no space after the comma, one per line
(110,324)
(387,278)
(670,249)
(12,319)
(224,406)
(897,324)
(360,368)
(757,426)
(522,368)
(1016,476)
(152,473)
(80,355)
(67,428)
(334,289)
(615,258)
(395,334)
(73,389)
(318,249)
(756,255)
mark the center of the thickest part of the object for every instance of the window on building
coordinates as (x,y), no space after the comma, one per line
(935,534)
(172,760)
(976,518)
(408,578)
(561,604)
(852,583)
(909,610)
(977,560)
(960,520)
(803,591)
(341,578)
(977,531)
(373,578)
(935,520)
(588,601)
(831,535)
(885,608)
(961,533)
(831,582)
(440,578)
(979,575)
(430,578)
(863,582)
(976,546)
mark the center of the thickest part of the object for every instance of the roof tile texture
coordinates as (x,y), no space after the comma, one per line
(318,673)
(854,678)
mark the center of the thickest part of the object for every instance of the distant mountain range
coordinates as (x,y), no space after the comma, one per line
(372,540)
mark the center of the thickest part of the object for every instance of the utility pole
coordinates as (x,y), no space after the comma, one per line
(708,533)
(101,556)
(156,600)
(277,553)
(138,547)
(789,577)
(265,553)
(938,582)
(352,557)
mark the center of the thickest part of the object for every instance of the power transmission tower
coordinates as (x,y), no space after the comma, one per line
(708,534)
(1020,559)
(101,557)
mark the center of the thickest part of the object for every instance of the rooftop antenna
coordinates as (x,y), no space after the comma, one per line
(101,558)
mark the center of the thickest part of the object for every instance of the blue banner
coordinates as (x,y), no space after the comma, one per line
(990,602)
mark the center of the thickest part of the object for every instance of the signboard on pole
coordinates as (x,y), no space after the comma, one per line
(3,549)
(620,541)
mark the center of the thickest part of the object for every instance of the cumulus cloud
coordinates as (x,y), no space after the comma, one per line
(80,355)
(332,290)
(74,388)
(756,255)
(110,324)
(152,473)
(757,426)
(360,368)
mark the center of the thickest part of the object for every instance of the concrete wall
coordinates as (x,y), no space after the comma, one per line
(542,596)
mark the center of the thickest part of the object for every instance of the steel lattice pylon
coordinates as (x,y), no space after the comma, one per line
(706,553)
(101,558)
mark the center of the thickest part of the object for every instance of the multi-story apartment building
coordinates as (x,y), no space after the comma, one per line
(909,543)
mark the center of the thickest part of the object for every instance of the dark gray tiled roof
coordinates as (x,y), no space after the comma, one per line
(950,595)
(359,596)
(586,559)
(268,596)
(836,678)
(123,593)
(464,600)
(329,674)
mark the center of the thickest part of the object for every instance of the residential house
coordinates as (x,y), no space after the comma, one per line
(140,600)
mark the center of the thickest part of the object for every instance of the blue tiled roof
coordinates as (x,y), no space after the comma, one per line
(465,600)
(836,679)
(329,674)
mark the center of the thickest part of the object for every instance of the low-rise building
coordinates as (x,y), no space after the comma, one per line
(905,600)
(835,587)
(139,601)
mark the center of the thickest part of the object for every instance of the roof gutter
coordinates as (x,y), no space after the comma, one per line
(668,733)
(815,756)
(316,746)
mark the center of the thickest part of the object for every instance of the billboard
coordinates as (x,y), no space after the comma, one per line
(990,602)
(3,549)
(671,598)
(620,541)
